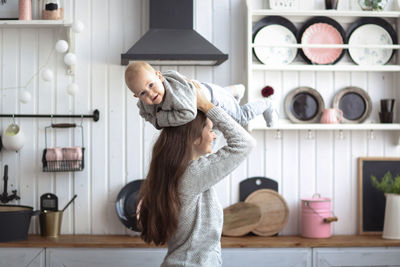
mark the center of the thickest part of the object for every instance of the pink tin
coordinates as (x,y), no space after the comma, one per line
(316,217)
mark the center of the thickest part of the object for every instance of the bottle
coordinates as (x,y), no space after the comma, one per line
(52,10)
(25,10)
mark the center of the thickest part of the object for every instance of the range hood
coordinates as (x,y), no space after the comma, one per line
(172,40)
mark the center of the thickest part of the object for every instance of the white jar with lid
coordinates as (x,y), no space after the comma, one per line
(52,10)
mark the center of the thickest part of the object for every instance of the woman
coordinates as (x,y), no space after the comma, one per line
(179,204)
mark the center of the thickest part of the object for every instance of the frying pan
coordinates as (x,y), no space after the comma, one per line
(126,203)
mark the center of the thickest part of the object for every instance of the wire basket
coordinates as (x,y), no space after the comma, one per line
(63,159)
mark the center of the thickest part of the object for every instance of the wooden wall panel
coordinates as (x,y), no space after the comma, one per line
(118,147)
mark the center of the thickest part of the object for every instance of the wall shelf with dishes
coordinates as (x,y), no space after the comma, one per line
(335,41)
(34,23)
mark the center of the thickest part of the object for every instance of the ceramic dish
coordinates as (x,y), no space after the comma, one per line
(304,105)
(126,204)
(321,30)
(371,31)
(274,30)
(355,104)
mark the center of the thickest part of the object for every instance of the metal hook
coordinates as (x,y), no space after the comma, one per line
(51,119)
(13,118)
(81,119)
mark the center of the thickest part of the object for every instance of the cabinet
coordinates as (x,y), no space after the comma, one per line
(17,257)
(361,257)
(378,80)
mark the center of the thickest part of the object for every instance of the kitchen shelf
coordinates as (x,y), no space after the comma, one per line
(335,67)
(34,23)
(260,13)
(259,124)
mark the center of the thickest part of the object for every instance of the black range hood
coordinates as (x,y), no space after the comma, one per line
(172,40)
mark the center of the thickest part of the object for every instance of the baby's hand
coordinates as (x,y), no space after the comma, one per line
(202,102)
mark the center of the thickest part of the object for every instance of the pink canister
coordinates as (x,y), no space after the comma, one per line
(316,217)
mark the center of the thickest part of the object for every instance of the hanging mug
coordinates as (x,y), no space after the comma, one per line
(331,115)
(13,138)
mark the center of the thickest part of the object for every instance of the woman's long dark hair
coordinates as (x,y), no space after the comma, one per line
(160,207)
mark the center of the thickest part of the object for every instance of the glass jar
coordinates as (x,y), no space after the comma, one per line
(52,10)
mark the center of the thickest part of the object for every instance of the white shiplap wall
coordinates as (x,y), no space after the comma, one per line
(118,146)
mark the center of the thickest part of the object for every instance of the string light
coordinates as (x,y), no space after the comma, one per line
(61,46)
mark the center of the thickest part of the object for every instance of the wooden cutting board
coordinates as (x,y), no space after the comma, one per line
(248,186)
(274,211)
(240,219)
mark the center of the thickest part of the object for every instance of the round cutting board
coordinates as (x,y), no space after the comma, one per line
(274,211)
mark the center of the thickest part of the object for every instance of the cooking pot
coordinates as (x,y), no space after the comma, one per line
(14,222)
(316,217)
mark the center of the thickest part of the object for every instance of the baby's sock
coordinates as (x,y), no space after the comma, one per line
(271,114)
(237,90)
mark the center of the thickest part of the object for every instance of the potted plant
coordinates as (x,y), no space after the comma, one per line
(369,5)
(391,187)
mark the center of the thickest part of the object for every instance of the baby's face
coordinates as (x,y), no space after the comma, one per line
(148,87)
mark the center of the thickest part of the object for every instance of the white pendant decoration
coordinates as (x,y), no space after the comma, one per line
(70,59)
(47,75)
(24,97)
(72,89)
(61,46)
(77,26)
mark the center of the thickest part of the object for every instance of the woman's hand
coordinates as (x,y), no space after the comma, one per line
(203,103)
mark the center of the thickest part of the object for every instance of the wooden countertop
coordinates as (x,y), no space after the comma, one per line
(122,241)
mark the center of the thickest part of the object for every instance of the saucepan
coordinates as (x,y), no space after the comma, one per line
(15,221)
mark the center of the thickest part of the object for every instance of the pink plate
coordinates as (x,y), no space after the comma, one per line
(321,33)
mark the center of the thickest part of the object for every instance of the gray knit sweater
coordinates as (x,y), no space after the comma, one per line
(197,239)
(179,104)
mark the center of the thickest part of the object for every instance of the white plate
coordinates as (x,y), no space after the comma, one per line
(370,34)
(275,34)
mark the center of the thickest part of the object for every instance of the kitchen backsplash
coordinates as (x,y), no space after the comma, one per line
(117,147)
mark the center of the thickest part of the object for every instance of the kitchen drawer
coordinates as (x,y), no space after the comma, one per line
(266,257)
(360,257)
(96,257)
(17,257)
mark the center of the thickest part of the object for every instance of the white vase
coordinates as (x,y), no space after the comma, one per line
(391,227)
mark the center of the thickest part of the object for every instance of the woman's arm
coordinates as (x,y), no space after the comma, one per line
(208,170)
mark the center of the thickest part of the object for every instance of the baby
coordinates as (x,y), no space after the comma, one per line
(169,98)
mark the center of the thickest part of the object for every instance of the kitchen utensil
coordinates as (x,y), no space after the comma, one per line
(386,117)
(387,104)
(48,201)
(63,159)
(316,217)
(274,211)
(15,221)
(321,30)
(331,115)
(126,204)
(371,31)
(354,102)
(50,223)
(274,30)
(304,105)
(248,186)
(13,138)
(69,203)
(240,218)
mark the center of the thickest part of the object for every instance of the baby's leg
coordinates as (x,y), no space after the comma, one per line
(237,90)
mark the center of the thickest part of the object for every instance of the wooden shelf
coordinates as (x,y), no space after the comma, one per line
(259,124)
(123,241)
(34,23)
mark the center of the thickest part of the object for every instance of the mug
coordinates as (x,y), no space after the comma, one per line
(331,115)
(13,138)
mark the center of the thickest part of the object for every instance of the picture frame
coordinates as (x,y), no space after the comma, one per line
(371,202)
(9,10)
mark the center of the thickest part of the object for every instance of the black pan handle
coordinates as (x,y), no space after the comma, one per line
(63,125)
